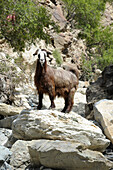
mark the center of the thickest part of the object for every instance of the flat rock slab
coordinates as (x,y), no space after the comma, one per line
(8,110)
(48,124)
(66,155)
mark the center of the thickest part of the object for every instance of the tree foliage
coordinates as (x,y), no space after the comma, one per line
(31,22)
(85,12)
(87,15)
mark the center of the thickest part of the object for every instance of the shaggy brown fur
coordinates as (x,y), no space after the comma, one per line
(55,82)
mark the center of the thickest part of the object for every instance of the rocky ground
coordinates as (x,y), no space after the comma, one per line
(45,139)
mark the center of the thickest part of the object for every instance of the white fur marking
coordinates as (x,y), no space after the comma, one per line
(42,56)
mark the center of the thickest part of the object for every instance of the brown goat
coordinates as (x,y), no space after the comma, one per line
(54,82)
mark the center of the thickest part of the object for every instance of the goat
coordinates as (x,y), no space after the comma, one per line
(54,82)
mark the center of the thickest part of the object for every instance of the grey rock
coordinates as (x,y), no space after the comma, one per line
(4,135)
(7,122)
(66,155)
(20,158)
(5,154)
(5,166)
(6,89)
(103,113)
(59,17)
(8,110)
(11,140)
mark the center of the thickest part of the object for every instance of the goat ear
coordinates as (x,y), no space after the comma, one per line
(36,52)
(48,53)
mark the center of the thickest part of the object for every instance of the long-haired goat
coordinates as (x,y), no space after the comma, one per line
(54,82)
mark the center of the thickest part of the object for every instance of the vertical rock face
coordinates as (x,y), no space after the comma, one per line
(59,17)
(103,113)
(101,89)
(107,79)
(6,89)
(66,155)
(48,124)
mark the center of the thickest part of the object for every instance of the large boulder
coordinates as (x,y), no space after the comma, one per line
(54,125)
(103,113)
(66,155)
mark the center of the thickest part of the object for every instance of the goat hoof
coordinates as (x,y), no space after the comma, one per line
(63,111)
(67,111)
(39,107)
(51,107)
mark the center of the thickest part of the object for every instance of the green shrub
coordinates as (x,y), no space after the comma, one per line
(86,66)
(58,57)
(86,13)
(106,59)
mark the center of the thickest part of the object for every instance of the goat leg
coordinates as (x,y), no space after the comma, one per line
(52,102)
(70,100)
(66,104)
(69,107)
(40,101)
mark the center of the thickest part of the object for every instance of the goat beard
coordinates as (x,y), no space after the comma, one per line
(41,64)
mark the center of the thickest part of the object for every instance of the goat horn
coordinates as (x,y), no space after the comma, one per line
(39,50)
(35,52)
